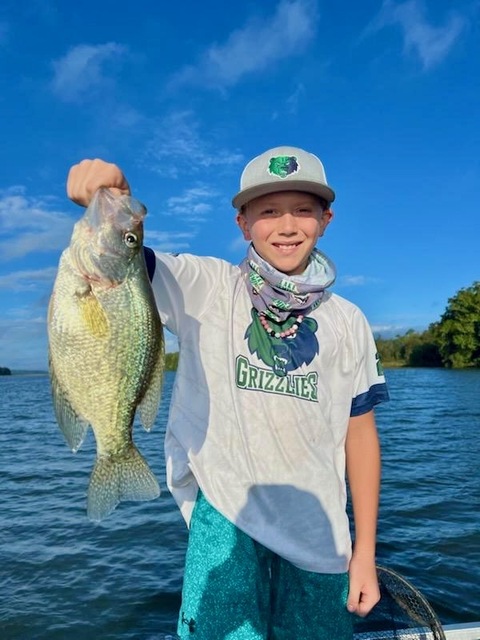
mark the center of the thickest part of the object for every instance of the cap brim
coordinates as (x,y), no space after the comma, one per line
(246,195)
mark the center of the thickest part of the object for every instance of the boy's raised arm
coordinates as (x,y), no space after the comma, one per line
(87,176)
(363,470)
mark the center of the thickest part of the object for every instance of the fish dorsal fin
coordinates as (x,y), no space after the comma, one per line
(93,315)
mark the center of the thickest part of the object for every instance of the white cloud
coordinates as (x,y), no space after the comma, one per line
(352,281)
(20,327)
(193,203)
(255,47)
(355,281)
(30,224)
(126,117)
(294,98)
(388,331)
(83,69)
(430,43)
(167,242)
(28,280)
(176,143)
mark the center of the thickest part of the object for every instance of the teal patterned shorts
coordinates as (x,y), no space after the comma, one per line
(236,589)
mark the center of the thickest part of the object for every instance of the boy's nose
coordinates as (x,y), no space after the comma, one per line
(288,224)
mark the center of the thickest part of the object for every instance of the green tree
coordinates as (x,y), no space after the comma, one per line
(171,361)
(425,354)
(412,349)
(458,331)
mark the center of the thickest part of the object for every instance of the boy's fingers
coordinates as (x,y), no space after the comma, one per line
(353,600)
(361,605)
(362,609)
(87,176)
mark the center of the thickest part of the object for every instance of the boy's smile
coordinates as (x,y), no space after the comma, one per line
(284,228)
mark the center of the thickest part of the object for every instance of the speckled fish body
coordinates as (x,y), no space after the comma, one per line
(106,348)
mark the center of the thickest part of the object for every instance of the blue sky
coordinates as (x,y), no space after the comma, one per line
(181,95)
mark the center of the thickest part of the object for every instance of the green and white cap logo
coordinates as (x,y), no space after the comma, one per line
(283,166)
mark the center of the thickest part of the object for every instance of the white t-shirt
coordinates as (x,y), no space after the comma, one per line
(260,427)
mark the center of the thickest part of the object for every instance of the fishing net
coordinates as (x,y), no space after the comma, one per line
(402,613)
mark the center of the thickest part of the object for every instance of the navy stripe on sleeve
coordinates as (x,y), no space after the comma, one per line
(366,401)
(150,261)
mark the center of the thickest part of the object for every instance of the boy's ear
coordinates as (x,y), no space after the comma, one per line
(242,223)
(327,216)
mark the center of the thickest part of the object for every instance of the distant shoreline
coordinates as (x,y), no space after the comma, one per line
(22,372)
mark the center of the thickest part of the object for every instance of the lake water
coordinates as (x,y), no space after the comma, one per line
(62,576)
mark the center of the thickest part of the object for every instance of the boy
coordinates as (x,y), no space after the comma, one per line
(273,402)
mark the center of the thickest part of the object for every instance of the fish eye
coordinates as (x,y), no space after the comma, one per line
(130,239)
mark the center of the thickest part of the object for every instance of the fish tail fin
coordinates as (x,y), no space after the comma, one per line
(115,479)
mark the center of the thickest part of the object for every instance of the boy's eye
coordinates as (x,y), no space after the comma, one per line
(300,211)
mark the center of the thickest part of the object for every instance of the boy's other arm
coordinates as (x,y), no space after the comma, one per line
(87,176)
(362,450)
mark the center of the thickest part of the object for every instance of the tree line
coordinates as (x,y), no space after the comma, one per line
(452,342)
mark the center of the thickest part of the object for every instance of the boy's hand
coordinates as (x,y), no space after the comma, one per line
(89,175)
(363,592)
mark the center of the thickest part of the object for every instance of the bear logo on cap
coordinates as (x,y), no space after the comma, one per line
(283,166)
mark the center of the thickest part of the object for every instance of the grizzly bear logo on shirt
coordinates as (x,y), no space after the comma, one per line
(283,354)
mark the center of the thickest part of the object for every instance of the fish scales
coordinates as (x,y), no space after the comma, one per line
(106,348)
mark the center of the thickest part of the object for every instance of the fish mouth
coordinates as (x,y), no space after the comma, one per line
(108,238)
(122,211)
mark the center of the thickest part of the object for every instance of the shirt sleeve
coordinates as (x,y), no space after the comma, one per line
(184,286)
(369,382)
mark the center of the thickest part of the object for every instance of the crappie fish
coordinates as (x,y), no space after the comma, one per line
(106,348)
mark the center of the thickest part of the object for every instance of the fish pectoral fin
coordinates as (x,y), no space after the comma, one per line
(148,407)
(93,315)
(118,478)
(73,427)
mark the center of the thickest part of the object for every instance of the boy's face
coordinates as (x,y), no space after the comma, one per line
(284,227)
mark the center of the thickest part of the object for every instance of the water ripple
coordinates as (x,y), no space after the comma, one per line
(63,576)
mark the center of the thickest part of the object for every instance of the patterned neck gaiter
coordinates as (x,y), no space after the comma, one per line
(277,295)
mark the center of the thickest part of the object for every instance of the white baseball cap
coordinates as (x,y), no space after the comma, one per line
(283,169)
